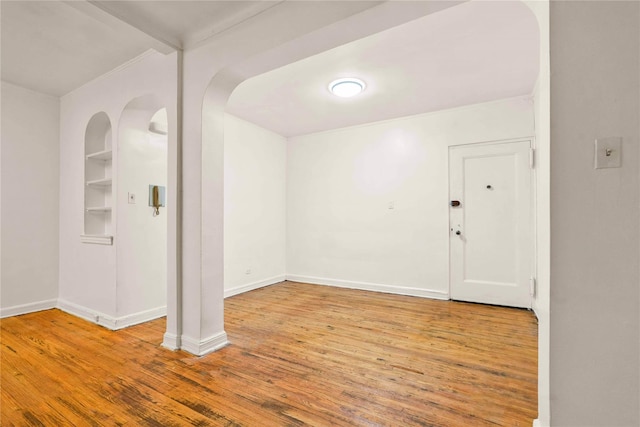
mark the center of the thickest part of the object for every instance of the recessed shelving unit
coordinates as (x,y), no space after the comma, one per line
(97,181)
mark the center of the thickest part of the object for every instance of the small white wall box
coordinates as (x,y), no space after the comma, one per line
(608,152)
(161,195)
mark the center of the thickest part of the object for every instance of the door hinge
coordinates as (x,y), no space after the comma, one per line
(532,157)
(532,286)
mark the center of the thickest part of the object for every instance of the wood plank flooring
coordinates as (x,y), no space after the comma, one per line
(299,355)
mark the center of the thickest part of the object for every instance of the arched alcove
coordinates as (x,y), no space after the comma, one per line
(142,244)
(98,179)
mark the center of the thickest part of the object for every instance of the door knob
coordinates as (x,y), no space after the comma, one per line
(458,232)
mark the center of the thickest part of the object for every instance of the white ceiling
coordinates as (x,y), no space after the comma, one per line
(474,52)
(56,46)
(184,23)
(53,48)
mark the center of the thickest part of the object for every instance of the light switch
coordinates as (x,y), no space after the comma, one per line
(132,198)
(608,152)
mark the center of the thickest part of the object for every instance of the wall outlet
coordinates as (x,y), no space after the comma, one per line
(248,271)
(132,198)
(391,205)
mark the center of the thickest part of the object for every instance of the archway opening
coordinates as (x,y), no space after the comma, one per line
(142,220)
(223,84)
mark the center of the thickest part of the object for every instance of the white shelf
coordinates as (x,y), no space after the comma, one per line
(98,197)
(99,209)
(104,182)
(100,155)
(96,239)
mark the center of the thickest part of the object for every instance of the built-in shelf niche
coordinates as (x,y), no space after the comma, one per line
(98,169)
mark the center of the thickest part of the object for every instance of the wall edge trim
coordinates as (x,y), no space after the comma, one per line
(254,285)
(375,287)
(110,322)
(206,345)
(171,341)
(31,307)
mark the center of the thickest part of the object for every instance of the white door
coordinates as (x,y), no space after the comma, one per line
(491,223)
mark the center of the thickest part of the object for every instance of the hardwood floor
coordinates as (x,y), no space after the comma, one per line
(299,355)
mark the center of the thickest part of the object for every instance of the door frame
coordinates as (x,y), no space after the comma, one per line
(533,204)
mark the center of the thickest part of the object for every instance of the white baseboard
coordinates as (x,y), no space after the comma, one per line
(376,287)
(540,423)
(171,341)
(206,346)
(80,311)
(32,307)
(255,285)
(140,317)
(110,322)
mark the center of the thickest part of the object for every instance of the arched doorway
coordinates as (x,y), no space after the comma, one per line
(226,79)
(142,220)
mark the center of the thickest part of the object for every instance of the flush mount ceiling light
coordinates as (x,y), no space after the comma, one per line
(346,88)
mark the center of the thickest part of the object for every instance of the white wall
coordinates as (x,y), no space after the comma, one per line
(341,183)
(142,236)
(254,206)
(595,240)
(30,158)
(88,272)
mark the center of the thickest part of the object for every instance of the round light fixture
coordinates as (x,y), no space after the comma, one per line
(346,88)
